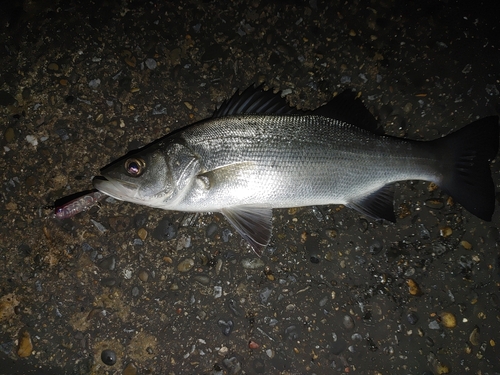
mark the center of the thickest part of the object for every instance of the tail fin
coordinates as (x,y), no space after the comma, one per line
(469,180)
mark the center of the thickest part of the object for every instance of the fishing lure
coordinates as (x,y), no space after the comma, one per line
(77,205)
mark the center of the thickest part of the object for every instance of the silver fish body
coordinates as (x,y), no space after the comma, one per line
(243,165)
(292,161)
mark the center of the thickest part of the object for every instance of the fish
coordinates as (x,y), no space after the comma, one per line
(257,153)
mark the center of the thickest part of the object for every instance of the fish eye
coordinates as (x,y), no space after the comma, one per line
(135,167)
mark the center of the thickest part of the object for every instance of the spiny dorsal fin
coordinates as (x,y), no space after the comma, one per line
(254,100)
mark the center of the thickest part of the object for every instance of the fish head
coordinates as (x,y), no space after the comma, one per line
(154,176)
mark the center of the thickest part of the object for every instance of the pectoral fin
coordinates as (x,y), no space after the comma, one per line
(225,174)
(253,223)
(377,205)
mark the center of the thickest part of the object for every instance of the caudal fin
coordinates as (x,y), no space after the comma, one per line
(468,178)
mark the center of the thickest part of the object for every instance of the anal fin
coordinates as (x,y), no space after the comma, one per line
(377,205)
(253,223)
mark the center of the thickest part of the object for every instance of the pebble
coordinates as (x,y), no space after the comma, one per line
(218,266)
(108,357)
(466,245)
(202,279)
(211,229)
(232,364)
(435,203)
(7,347)
(226,234)
(223,351)
(323,301)
(348,322)
(129,58)
(448,320)
(253,345)
(108,281)
(252,263)
(412,318)
(442,369)
(31,139)
(185,265)
(292,332)
(25,345)
(413,287)
(93,84)
(330,255)
(332,233)
(404,211)
(165,230)
(474,336)
(234,307)
(184,242)
(142,233)
(434,325)
(143,276)
(424,232)
(8,303)
(345,79)
(101,228)
(62,133)
(428,341)
(127,273)
(9,135)
(53,67)
(227,326)
(108,263)
(217,291)
(139,222)
(408,108)
(119,223)
(376,247)
(31,181)
(151,63)
(264,294)
(445,232)
(135,291)
(131,369)
(314,259)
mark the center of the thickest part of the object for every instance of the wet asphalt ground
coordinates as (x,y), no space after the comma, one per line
(125,289)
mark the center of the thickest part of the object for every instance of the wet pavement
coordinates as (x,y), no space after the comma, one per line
(126,289)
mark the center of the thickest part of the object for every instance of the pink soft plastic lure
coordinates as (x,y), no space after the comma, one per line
(77,205)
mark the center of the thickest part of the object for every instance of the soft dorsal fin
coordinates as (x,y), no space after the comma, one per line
(254,100)
(253,223)
(348,108)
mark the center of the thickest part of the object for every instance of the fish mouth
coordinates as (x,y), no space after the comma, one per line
(121,190)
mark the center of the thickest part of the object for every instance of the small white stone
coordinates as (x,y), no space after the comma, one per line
(217,291)
(32,140)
